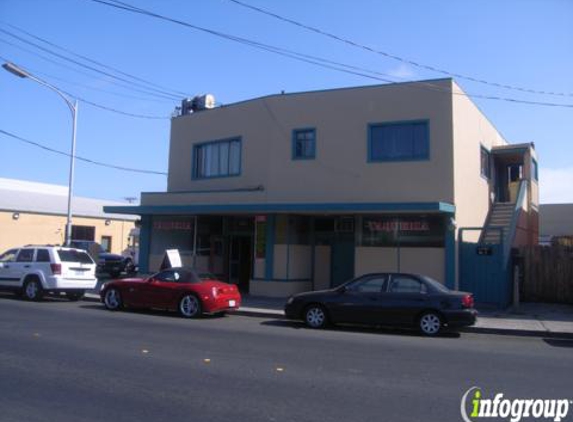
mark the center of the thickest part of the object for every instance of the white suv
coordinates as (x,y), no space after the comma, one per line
(36,270)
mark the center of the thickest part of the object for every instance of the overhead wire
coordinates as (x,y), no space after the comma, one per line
(356,44)
(87,160)
(153,98)
(318,61)
(140,86)
(104,107)
(98,63)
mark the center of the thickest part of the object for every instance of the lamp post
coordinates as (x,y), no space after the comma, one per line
(15,70)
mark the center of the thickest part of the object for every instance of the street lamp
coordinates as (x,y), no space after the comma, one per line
(15,70)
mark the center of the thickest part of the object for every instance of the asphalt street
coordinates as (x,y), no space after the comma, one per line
(63,361)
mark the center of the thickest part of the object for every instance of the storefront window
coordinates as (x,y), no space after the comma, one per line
(407,231)
(172,233)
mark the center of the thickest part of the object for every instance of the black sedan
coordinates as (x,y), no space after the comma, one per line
(386,299)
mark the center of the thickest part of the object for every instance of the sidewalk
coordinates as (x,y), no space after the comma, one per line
(531,319)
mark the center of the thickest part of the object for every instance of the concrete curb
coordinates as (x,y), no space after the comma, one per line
(276,314)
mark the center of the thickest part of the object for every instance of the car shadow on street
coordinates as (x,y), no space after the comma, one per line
(154,312)
(45,299)
(377,330)
(557,342)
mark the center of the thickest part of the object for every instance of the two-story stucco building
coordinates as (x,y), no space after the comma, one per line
(302,191)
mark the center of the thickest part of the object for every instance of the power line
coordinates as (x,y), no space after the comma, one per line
(153,98)
(393,56)
(137,78)
(104,107)
(87,160)
(315,60)
(147,89)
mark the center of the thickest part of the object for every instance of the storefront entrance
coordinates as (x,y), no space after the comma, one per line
(240,261)
(342,259)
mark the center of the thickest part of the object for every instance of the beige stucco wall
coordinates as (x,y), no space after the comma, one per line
(427,261)
(259,268)
(340,172)
(471,130)
(372,260)
(322,277)
(298,258)
(278,288)
(50,229)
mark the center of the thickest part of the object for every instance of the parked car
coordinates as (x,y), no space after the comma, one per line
(107,263)
(175,289)
(391,299)
(33,271)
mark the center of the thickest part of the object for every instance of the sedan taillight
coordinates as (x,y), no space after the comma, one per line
(56,269)
(468,301)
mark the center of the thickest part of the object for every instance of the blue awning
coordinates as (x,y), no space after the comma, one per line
(322,208)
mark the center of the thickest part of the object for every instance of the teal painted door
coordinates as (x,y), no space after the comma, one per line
(341,261)
(483,273)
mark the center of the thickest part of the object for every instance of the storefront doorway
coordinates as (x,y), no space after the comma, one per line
(342,259)
(240,261)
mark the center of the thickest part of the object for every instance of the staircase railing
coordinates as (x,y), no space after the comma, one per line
(519,204)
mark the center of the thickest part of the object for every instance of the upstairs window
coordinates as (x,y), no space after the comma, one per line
(485,163)
(217,159)
(534,170)
(304,144)
(402,141)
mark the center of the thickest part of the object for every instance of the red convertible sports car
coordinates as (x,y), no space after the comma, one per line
(176,289)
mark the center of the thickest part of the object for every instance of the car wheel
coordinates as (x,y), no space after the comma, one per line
(112,300)
(430,323)
(190,306)
(33,290)
(315,316)
(74,296)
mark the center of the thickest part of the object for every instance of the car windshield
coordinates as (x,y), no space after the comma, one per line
(9,256)
(74,255)
(436,284)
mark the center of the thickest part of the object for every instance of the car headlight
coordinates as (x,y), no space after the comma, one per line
(290,300)
(103,286)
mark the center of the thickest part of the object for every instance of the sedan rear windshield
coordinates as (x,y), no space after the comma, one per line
(436,285)
(75,256)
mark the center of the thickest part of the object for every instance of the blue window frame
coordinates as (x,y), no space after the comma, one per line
(399,141)
(485,163)
(534,169)
(220,158)
(303,144)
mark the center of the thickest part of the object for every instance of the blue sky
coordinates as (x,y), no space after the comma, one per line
(523,43)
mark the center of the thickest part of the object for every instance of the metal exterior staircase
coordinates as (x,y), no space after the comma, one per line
(498,224)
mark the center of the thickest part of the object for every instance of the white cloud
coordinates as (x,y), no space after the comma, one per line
(556,185)
(403,71)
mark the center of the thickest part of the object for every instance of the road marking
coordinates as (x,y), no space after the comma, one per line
(207,360)
(37,335)
(279,369)
(144,351)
